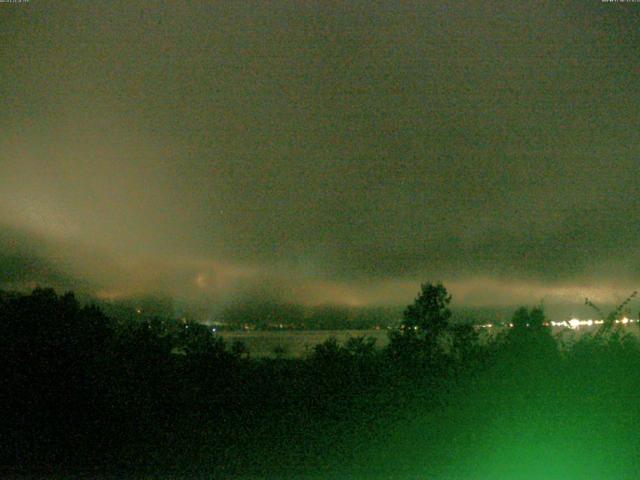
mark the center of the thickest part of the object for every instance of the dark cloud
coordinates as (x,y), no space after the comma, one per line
(327,151)
(26,261)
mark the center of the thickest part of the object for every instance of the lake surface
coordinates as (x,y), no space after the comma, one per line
(299,343)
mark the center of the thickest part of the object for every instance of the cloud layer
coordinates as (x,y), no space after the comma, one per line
(322,153)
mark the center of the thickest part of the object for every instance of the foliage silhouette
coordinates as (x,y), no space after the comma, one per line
(429,314)
(418,343)
(609,321)
(529,339)
(152,397)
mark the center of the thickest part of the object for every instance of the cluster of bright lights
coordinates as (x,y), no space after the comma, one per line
(574,323)
(577,323)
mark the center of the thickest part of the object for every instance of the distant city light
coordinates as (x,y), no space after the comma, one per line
(574,323)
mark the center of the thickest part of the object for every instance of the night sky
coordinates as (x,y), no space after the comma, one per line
(321,152)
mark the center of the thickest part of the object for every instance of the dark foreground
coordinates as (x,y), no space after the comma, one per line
(86,395)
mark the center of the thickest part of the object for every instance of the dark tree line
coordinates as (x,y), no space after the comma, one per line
(83,392)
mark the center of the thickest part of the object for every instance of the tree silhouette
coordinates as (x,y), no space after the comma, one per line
(198,340)
(416,344)
(531,337)
(464,341)
(520,318)
(537,318)
(429,314)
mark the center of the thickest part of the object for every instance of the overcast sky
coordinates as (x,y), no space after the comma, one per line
(322,152)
